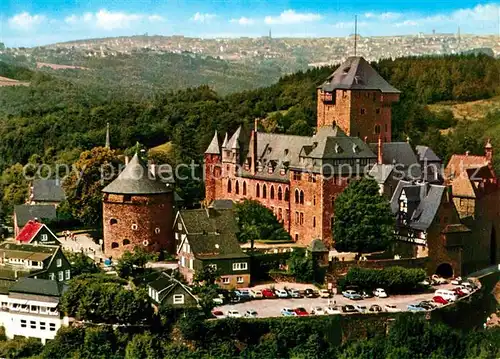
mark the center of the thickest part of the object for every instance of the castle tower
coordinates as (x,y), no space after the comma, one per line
(358,100)
(212,170)
(137,211)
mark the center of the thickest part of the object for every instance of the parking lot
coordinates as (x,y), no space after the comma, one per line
(272,307)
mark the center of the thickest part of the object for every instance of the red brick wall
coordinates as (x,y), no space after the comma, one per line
(146,212)
(338,112)
(330,188)
(212,171)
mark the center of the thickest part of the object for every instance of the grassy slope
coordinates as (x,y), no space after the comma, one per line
(474,110)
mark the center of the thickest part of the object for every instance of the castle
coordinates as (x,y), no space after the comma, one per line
(299,177)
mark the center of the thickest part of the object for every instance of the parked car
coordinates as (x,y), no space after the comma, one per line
(281,293)
(415,308)
(219,300)
(250,314)
(439,299)
(464,289)
(310,293)
(438,280)
(469,285)
(459,292)
(456,280)
(391,308)
(375,308)
(256,294)
(317,311)
(301,312)
(365,294)
(426,282)
(244,294)
(233,313)
(351,294)
(218,314)
(288,312)
(333,310)
(294,293)
(449,295)
(325,293)
(380,292)
(348,308)
(268,294)
(426,305)
(360,308)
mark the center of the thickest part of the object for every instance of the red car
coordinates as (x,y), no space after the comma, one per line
(459,292)
(439,299)
(301,312)
(268,294)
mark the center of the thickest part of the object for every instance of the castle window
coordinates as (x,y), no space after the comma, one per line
(157,230)
(134,226)
(237,187)
(377,111)
(314,222)
(301,197)
(114,245)
(113,221)
(272,192)
(297,195)
(296,217)
(314,200)
(287,194)
(312,177)
(126,242)
(280,214)
(127,198)
(297,176)
(264,191)
(280,193)
(377,129)
(244,188)
(257,190)
(229,186)
(296,237)
(362,110)
(301,218)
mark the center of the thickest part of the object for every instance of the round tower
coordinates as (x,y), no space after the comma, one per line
(137,211)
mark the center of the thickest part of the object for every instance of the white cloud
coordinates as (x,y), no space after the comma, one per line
(292,17)
(487,12)
(26,21)
(406,23)
(349,24)
(383,16)
(203,18)
(108,20)
(156,18)
(243,21)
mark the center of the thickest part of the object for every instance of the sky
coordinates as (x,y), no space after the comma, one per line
(42,22)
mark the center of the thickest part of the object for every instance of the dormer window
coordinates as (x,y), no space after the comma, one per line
(286,151)
(338,149)
(282,171)
(269,150)
(355,148)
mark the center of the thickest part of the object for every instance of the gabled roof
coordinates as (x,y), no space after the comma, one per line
(44,287)
(209,220)
(222,204)
(25,212)
(425,153)
(381,173)
(136,179)
(29,231)
(47,190)
(214,148)
(165,284)
(215,246)
(401,155)
(357,74)
(458,164)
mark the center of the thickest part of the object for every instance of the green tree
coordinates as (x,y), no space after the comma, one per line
(363,219)
(133,264)
(81,264)
(20,348)
(145,346)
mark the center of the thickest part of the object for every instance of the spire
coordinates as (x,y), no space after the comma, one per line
(107,136)
(224,144)
(213,148)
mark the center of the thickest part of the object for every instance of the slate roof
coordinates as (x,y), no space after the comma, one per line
(136,179)
(215,246)
(165,284)
(214,148)
(402,156)
(381,173)
(47,190)
(25,212)
(44,287)
(222,204)
(317,246)
(426,153)
(427,198)
(209,220)
(357,74)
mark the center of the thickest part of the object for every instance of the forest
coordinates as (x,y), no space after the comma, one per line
(55,118)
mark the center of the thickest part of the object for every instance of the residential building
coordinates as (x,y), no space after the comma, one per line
(166,290)
(25,212)
(35,232)
(46,191)
(30,309)
(219,251)
(137,211)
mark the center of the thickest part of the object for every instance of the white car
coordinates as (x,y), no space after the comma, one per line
(281,293)
(361,308)
(438,280)
(333,310)
(317,311)
(233,313)
(464,289)
(250,314)
(219,300)
(324,293)
(256,294)
(391,308)
(380,292)
(294,293)
(456,281)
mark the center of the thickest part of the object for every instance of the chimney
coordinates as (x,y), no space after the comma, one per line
(488,152)
(380,151)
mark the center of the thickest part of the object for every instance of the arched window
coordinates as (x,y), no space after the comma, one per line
(237,188)
(301,197)
(113,221)
(229,186)
(377,129)
(257,190)
(272,192)
(314,222)
(287,194)
(314,200)
(126,242)
(280,193)
(264,191)
(114,245)
(297,195)
(244,188)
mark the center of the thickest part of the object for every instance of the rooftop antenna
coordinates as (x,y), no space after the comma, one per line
(355,33)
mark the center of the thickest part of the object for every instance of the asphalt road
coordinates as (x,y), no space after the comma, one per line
(272,307)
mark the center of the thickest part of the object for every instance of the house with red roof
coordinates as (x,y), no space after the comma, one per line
(35,232)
